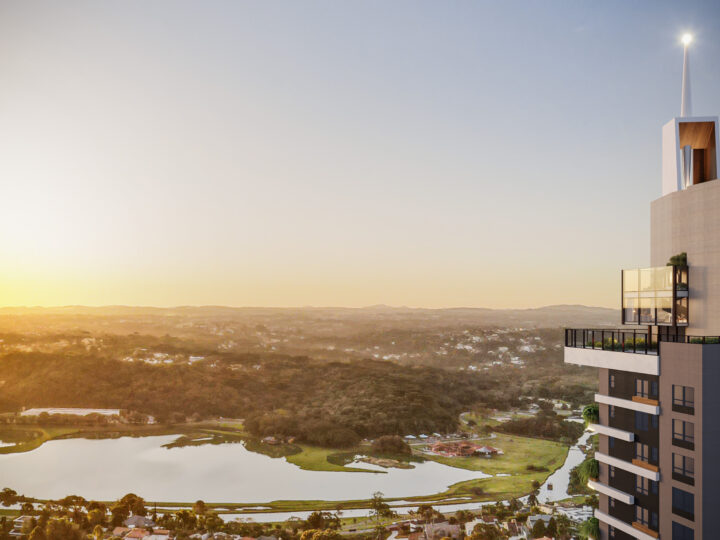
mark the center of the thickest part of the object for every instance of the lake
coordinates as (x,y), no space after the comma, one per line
(106,469)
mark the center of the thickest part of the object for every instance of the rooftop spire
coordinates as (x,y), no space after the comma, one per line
(686,103)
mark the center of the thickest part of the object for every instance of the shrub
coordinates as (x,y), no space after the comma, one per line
(391,444)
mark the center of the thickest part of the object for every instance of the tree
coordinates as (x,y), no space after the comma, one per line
(532,498)
(591,413)
(63,529)
(38,533)
(391,444)
(463,516)
(135,504)
(326,534)
(213,523)
(120,512)
(8,497)
(96,517)
(199,508)
(485,531)
(379,510)
(97,532)
(315,521)
(564,526)
(551,529)
(535,484)
(589,529)
(308,534)
(538,530)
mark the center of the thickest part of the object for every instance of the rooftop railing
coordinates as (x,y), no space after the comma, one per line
(698,340)
(631,341)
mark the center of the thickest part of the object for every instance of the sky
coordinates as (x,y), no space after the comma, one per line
(284,153)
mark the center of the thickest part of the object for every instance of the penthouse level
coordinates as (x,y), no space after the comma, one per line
(658,402)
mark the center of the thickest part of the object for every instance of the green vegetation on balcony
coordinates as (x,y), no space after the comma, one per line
(678,260)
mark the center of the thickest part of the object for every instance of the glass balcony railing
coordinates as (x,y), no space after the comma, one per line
(655,296)
(632,341)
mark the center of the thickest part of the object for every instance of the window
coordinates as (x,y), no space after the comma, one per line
(611,380)
(611,471)
(684,396)
(648,454)
(683,431)
(645,388)
(642,485)
(612,411)
(683,466)
(681,532)
(642,515)
(612,442)
(683,503)
(643,421)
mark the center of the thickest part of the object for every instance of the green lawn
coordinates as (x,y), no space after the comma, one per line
(314,458)
(519,452)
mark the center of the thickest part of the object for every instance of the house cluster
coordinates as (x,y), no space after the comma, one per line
(272,440)
(464,449)
(140,528)
(426,438)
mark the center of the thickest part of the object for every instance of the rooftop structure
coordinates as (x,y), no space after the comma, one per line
(659,408)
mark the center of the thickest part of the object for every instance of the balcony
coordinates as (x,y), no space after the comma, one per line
(655,296)
(611,492)
(624,350)
(627,528)
(630,404)
(645,470)
(627,436)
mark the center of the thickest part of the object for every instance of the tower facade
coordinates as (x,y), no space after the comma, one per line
(659,375)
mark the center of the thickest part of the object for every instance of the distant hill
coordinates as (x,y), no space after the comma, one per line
(542,317)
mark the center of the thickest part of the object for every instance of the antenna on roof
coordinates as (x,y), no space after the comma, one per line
(686,103)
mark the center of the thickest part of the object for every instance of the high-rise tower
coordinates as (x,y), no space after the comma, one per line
(659,387)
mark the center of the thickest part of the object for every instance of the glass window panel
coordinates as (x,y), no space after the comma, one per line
(681,311)
(662,278)
(646,279)
(630,280)
(664,310)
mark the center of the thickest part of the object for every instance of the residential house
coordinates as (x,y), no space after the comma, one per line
(139,521)
(20,525)
(435,531)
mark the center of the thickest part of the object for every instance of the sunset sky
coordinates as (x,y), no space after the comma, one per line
(284,153)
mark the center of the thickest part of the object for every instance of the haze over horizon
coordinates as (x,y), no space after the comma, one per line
(336,154)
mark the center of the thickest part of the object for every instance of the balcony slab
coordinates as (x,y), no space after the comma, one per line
(611,492)
(647,364)
(627,466)
(628,404)
(621,525)
(620,434)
